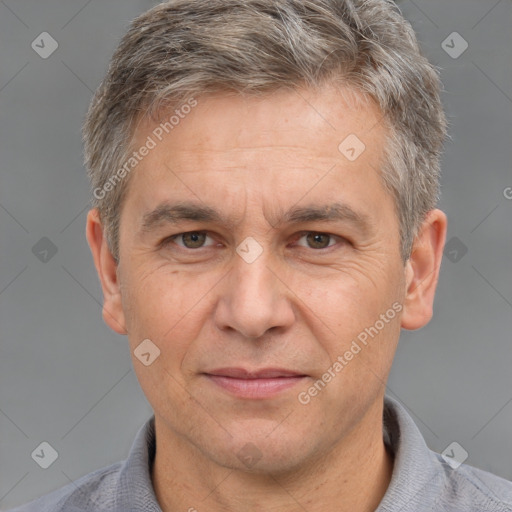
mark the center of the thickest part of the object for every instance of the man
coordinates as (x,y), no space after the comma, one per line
(265,178)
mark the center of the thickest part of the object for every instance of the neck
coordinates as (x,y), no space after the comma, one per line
(353,476)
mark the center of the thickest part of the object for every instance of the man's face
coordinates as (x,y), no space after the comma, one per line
(293,298)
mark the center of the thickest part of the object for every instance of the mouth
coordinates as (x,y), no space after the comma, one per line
(257,384)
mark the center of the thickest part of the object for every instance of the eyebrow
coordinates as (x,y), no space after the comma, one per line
(167,213)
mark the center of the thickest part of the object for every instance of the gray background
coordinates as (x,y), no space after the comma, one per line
(65,378)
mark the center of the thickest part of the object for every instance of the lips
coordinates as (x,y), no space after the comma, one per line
(265,373)
(256,384)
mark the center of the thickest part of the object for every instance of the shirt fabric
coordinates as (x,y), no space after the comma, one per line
(421,481)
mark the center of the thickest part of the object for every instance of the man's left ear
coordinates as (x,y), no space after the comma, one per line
(422,271)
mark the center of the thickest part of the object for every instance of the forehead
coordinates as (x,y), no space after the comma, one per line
(286,140)
(301,118)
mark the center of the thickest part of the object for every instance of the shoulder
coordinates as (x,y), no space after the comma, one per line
(424,481)
(471,489)
(94,491)
(120,487)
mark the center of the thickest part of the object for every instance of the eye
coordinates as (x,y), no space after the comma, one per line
(196,240)
(317,240)
(190,240)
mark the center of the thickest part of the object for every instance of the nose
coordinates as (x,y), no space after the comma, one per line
(254,299)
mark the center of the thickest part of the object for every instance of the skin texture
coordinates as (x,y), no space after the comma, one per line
(298,306)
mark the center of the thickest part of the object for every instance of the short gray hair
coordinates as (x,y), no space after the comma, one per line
(185,48)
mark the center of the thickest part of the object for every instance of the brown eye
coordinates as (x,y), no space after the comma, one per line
(191,240)
(318,240)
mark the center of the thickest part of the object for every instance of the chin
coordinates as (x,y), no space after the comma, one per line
(263,451)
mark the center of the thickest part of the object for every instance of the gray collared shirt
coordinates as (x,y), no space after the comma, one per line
(421,482)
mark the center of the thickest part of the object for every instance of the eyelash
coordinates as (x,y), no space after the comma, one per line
(167,241)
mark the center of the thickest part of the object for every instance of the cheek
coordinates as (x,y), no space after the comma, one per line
(343,303)
(166,306)
(347,309)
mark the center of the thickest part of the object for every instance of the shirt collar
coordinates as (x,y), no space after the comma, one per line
(415,465)
(135,474)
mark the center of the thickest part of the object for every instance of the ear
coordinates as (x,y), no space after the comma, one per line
(422,271)
(106,266)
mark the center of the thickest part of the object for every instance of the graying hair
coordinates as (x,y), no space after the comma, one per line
(186,48)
